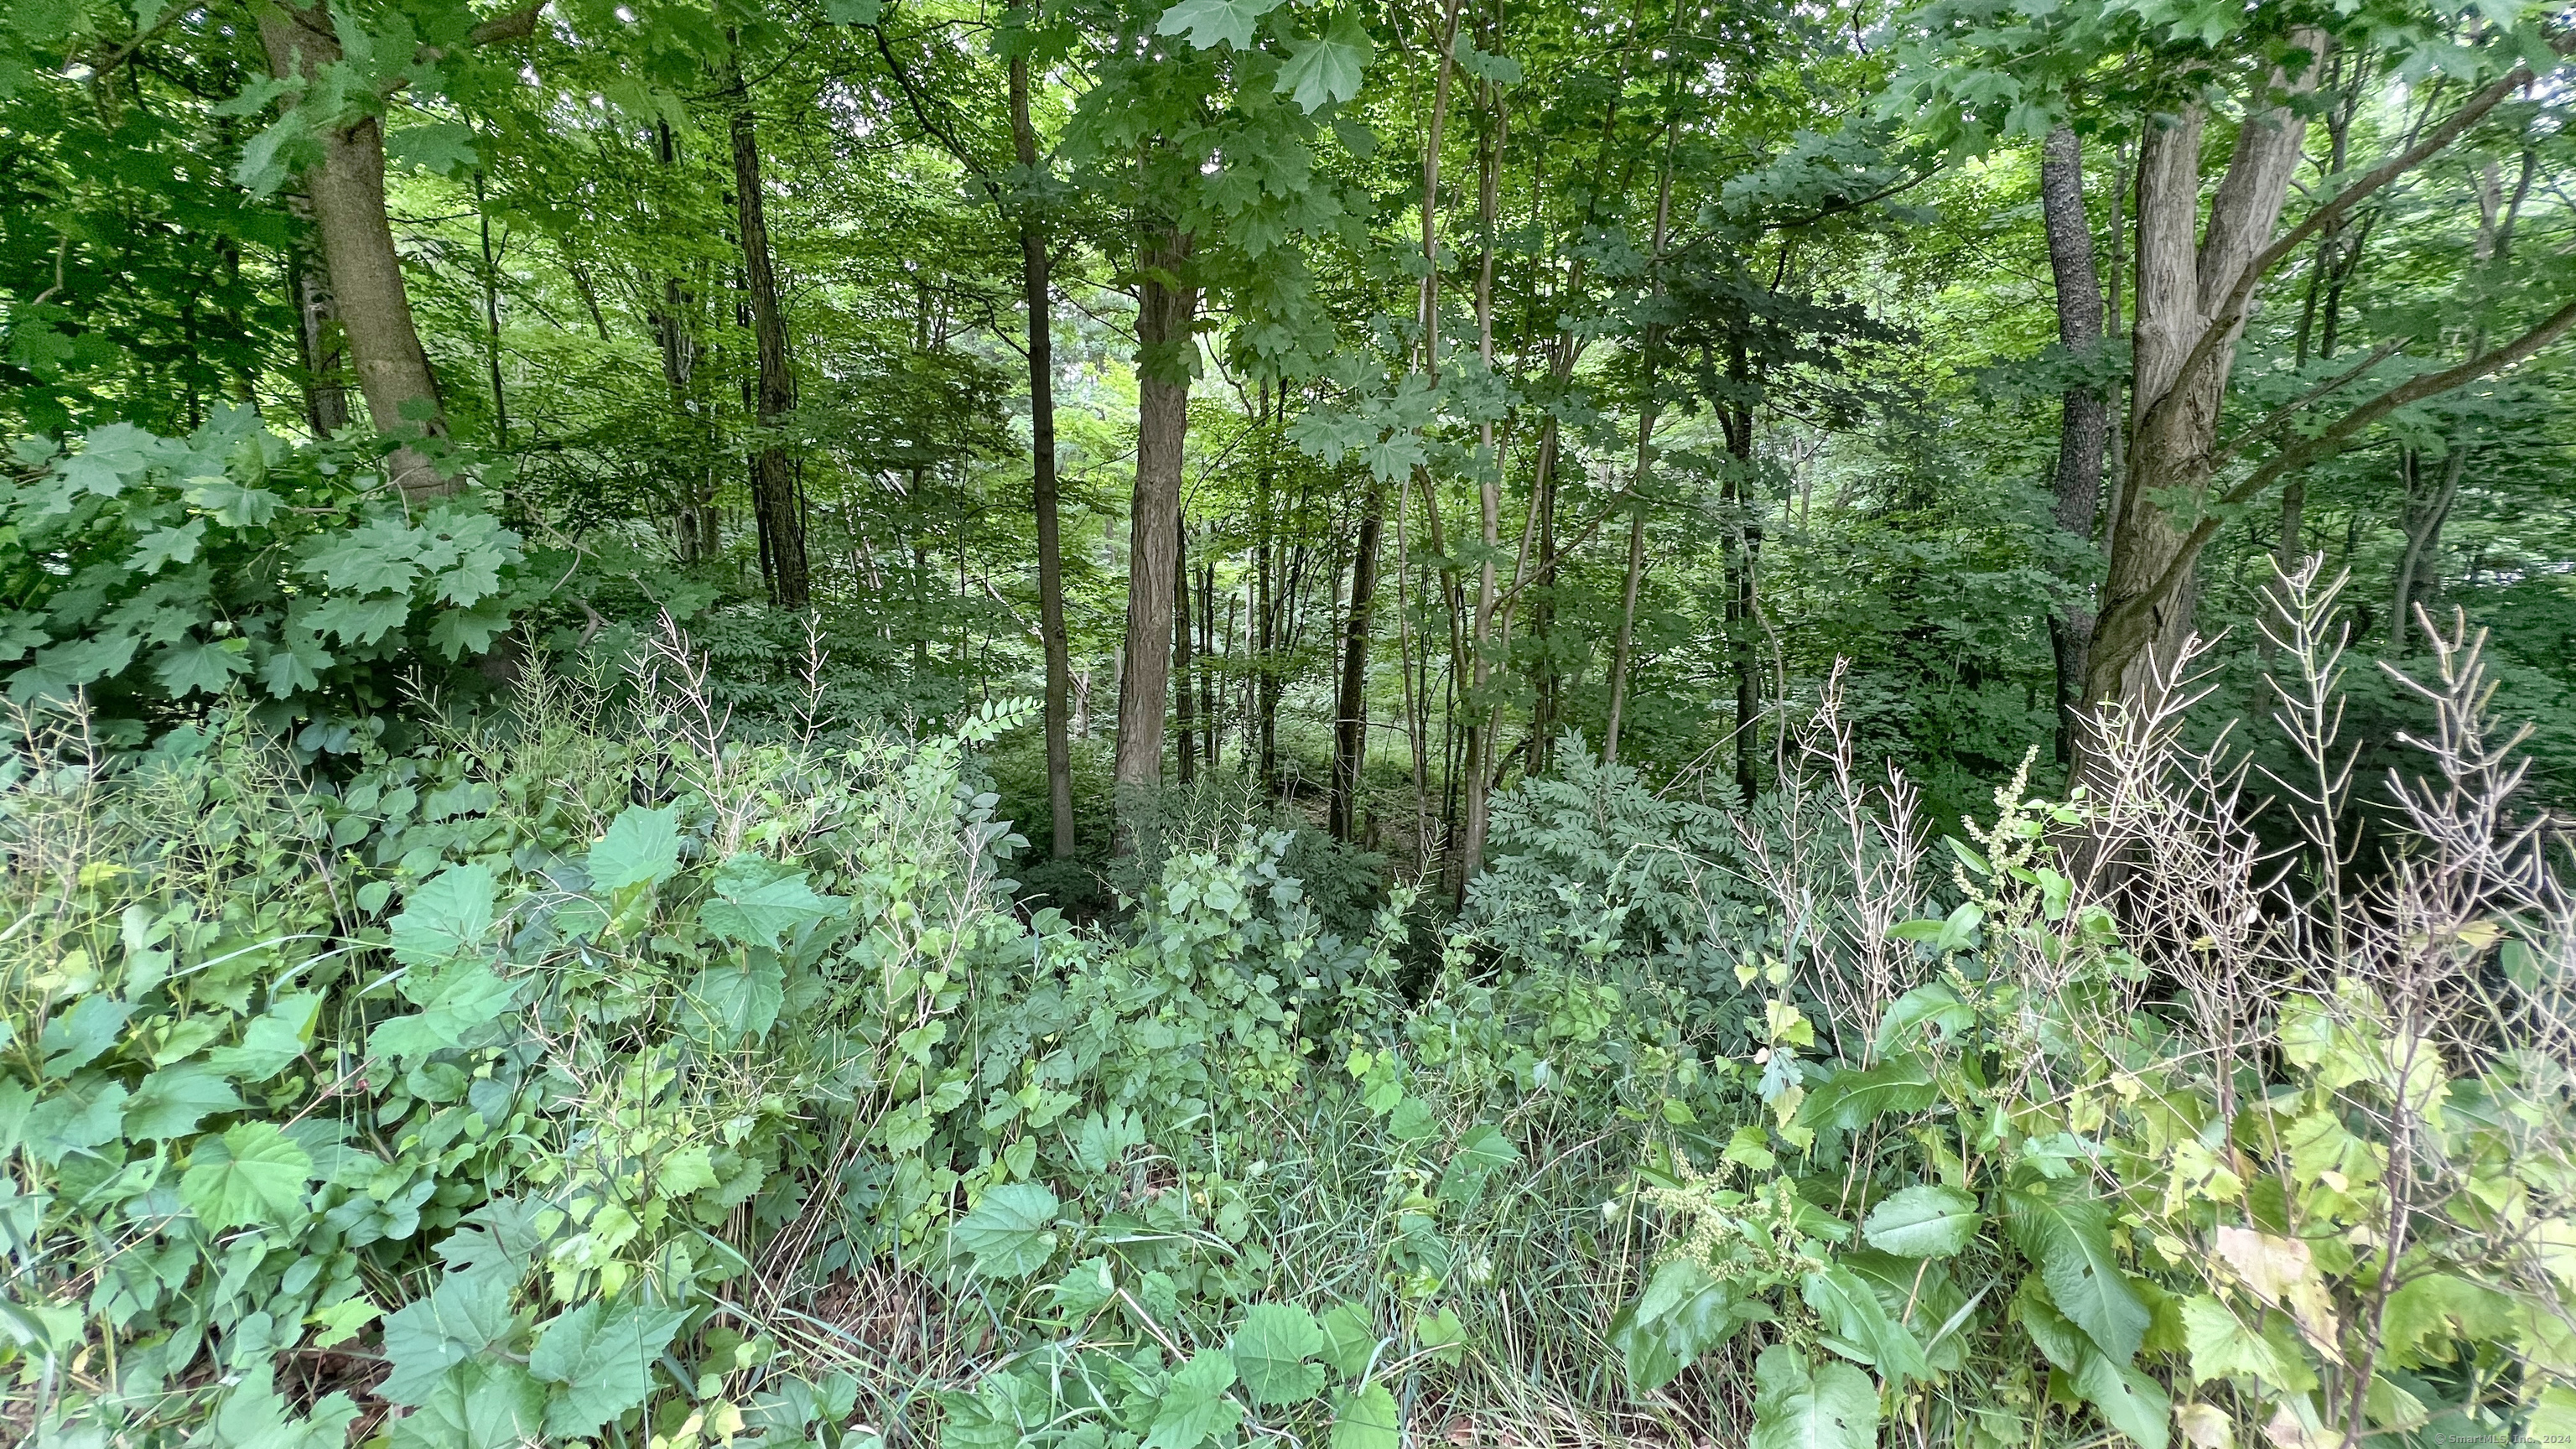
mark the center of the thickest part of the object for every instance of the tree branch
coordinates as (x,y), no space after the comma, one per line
(2325,444)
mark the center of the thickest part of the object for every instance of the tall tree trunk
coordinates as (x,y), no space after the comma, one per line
(1647,409)
(1037,265)
(673,320)
(777,499)
(1185,725)
(1165,307)
(1350,708)
(1208,648)
(2194,290)
(347,189)
(1742,543)
(321,347)
(492,318)
(2083,424)
(1484,713)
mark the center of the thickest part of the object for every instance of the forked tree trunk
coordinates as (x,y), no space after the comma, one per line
(2191,309)
(1165,307)
(777,501)
(2083,425)
(347,189)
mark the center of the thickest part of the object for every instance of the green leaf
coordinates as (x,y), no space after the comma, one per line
(691,1169)
(442,148)
(757,903)
(1858,1326)
(641,845)
(1923,1221)
(1350,1339)
(1929,1006)
(1209,22)
(195,666)
(458,999)
(447,915)
(603,1357)
(1683,1313)
(1195,1406)
(1853,1099)
(252,1174)
(738,998)
(1798,1405)
(1012,1232)
(2222,1347)
(165,546)
(464,1315)
(255,1416)
(173,1100)
(273,1041)
(1272,1350)
(1482,1151)
(481,1403)
(2071,1244)
(1368,1419)
(1327,71)
(2127,1400)
(74,1038)
(852,12)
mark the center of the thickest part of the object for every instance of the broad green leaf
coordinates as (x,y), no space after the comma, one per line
(691,1169)
(2426,1314)
(1683,1313)
(640,845)
(1368,1419)
(162,547)
(1798,1405)
(1012,1231)
(1208,22)
(1923,1221)
(442,148)
(464,1315)
(480,1403)
(196,667)
(255,1416)
(1925,1008)
(739,998)
(453,1001)
(758,904)
(252,1174)
(2127,1400)
(1350,1339)
(2222,1347)
(1859,1327)
(603,1357)
(75,1037)
(273,1041)
(1482,1152)
(1195,1406)
(1327,71)
(447,915)
(2071,1244)
(1273,1350)
(173,1100)
(1853,1099)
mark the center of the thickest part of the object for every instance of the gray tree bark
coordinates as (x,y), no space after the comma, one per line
(2083,429)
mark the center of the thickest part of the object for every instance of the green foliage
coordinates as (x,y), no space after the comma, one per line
(157,575)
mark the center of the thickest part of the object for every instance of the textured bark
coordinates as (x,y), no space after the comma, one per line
(2083,425)
(1185,726)
(1037,266)
(2191,304)
(1485,713)
(1350,709)
(1163,315)
(777,499)
(347,190)
(673,320)
(1646,412)
(321,347)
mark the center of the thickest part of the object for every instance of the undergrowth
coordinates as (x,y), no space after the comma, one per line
(601,1074)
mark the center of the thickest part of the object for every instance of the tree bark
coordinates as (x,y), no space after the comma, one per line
(2191,309)
(321,347)
(1646,414)
(347,190)
(1037,266)
(1350,709)
(492,319)
(1165,306)
(778,505)
(2083,424)
(1185,725)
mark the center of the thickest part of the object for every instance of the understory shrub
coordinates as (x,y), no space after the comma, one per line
(601,1074)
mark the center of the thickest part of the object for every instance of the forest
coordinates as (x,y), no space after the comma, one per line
(1114,724)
